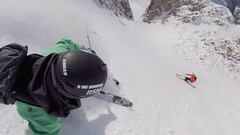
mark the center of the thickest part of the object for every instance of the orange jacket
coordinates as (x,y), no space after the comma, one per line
(192,77)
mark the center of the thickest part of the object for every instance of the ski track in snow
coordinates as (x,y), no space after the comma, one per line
(163,104)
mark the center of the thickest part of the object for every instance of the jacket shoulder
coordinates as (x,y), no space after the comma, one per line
(64,45)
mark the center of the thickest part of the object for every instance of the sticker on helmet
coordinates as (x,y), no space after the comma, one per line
(64,67)
(91,89)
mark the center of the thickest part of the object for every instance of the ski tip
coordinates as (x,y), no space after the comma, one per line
(130,105)
(131,109)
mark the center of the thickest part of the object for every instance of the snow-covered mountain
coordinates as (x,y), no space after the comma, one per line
(145,58)
(214,35)
(204,12)
(188,11)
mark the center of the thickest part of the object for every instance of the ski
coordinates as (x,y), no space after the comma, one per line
(190,84)
(182,78)
(112,98)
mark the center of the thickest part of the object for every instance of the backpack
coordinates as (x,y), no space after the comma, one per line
(12,57)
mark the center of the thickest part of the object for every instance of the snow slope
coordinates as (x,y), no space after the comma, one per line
(141,56)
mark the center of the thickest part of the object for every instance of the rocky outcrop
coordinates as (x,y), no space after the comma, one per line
(160,9)
(230,4)
(118,7)
(204,12)
(227,48)
(237,13)
(188,11)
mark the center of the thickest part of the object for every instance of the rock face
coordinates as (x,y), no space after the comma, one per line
(230,4)
(160,8)
(198,12)
(118,7)
(237,13)
(188,11)
(228,48)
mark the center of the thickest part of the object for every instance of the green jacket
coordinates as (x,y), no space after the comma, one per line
(39,121)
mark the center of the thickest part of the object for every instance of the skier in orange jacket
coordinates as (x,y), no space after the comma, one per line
(190,78)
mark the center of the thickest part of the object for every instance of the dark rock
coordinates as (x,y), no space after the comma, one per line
(118,7)
(160,8)
(237,13)
(188,11)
